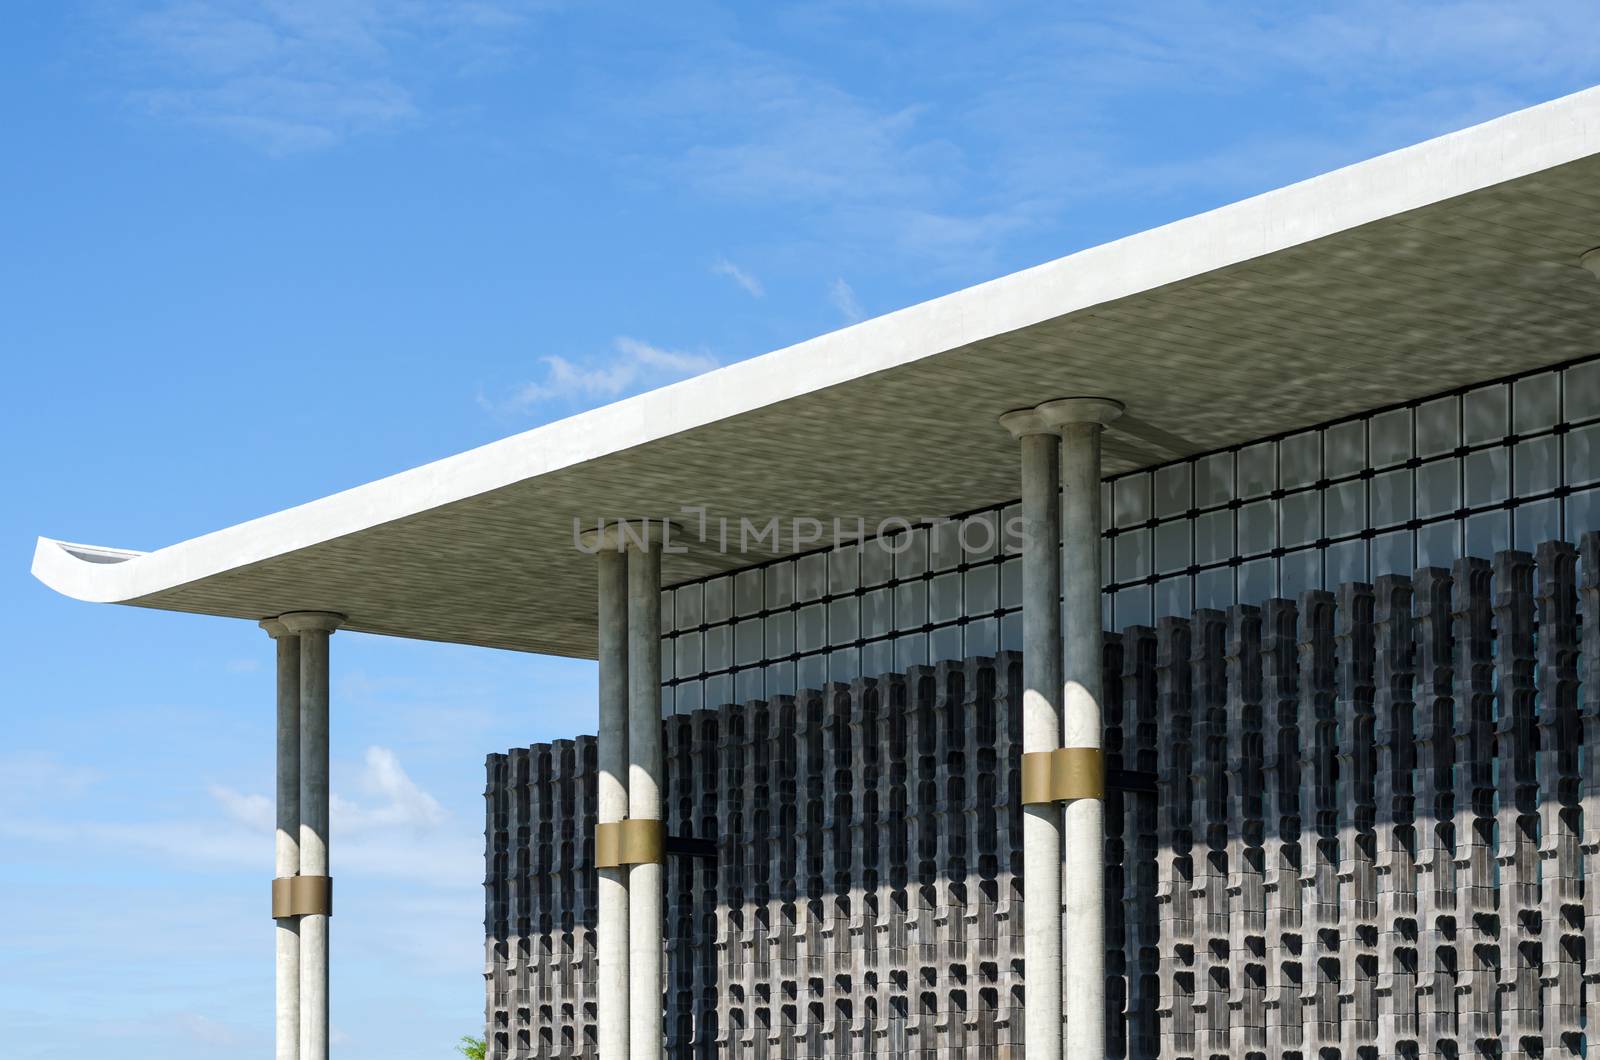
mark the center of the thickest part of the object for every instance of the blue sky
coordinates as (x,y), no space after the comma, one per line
(256,252)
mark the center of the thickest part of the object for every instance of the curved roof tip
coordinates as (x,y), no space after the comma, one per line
(85,572)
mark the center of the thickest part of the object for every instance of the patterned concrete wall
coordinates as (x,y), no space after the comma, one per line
(1369,837)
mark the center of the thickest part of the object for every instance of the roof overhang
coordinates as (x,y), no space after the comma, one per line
(1436,266)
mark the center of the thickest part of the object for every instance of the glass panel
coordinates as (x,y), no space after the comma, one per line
(912,559)
(1347,562)
(910,650)
(1344,448)
(780,635)
(1258,528)
(1174,489)
(1345,508)
(1011,530)
(1537,402)
(747,592)
(1582,391)
(980,536)
(1213,480)
(982,589)
(1483,414)
(944,598)
(688,606)
(749,685)
(1583,455)
(686,652)
(1011,632)
(669,669)
(780,585)
(945,543)
(1390,435)
(1537,523)
(1257,475)
(686,698)
(1583,513)
(1300,459)
(780,679)
(1132,607)
(877,612)
(719,600)
(944,644)
(1173,546)
(1488,533)
(719,648)
(1438,488)
(811,628)
(1258,581)
(1391,498)
(1213,536)
(811,576)
(1300,571)
(877,562)
(911,605)
(1439,544)
(669,697)
(1301,514)
(811,672)
(719,691)
(844,620)
(1131,500)
(1174,596)
(844,665)
(1394,553)
(1537,465)
(1438,427)
(748,638)
(1214,588)
(668,612)
(1133,555)
(844,571)
(983,637)
(877,658)
(1011,583)
(1487,475)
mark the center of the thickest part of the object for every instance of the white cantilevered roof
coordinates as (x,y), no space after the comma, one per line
(1432,267)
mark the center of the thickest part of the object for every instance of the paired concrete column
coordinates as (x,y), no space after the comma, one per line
(314,898)
(286,861)
(1082,422)
(1041,729)
(612,800)
(646,878)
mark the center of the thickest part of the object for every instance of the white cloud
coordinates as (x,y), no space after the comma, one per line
(752,286)
(844,299)
(253,811)
(296,75)
(401,803)
(632,365)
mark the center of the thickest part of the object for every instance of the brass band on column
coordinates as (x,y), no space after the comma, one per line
(302,896)
(635,841)
(1062,775)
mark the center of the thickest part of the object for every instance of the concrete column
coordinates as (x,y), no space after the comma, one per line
(1041,728)
(646,882)
(286,862)
(612,801)
(314,628)
(1082,422)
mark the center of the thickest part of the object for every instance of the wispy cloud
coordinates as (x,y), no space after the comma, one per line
(844,299)
(288,76)
(630,366)
(752,286)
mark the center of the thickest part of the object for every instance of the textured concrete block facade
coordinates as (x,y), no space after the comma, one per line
(1372,831)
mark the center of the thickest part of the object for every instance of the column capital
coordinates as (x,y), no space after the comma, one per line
(311,621)
(274,628)
(1023,422)
(1065,411)
(1591,261)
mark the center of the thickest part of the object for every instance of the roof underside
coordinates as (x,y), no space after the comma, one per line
(1435,267)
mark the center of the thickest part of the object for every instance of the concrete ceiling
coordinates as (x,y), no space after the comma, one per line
(1441,265)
